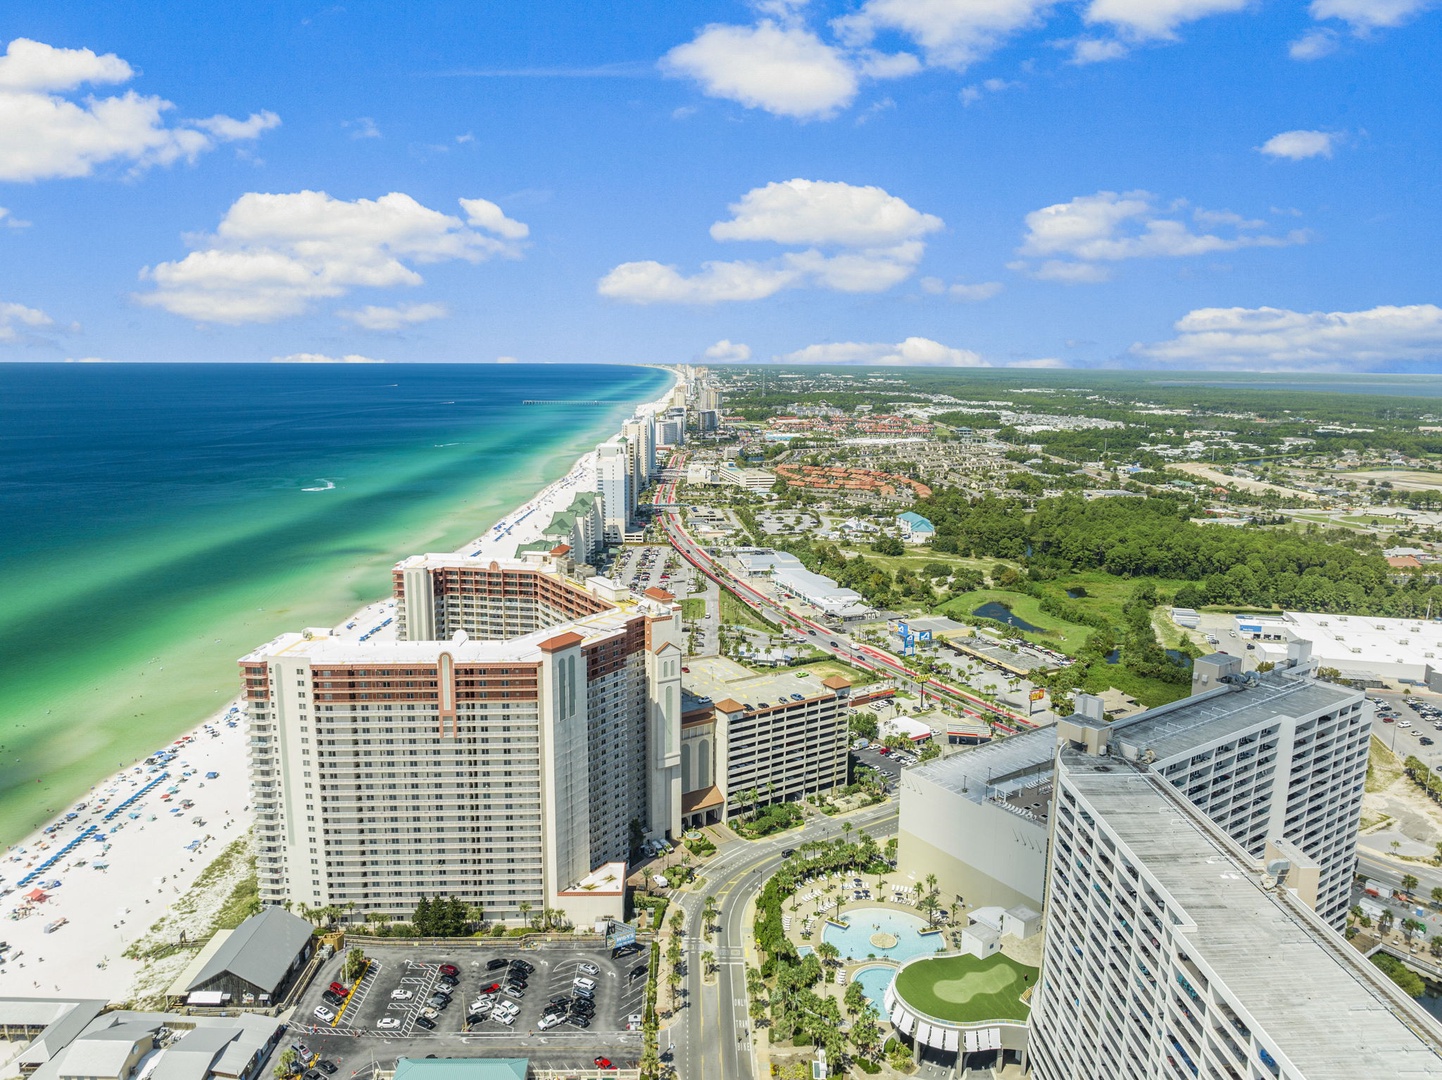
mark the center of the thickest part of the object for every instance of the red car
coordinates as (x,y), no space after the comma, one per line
(340,988)
(450,969)
(604,1063)
(492,989)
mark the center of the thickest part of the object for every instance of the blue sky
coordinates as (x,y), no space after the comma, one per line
(1135,183)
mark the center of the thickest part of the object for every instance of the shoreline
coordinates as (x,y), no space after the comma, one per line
(135,863)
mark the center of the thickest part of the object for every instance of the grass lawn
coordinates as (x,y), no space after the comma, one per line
(693,607)
(735,613)
(963,989)
(824,669)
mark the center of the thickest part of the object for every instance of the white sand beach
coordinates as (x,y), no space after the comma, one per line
(131,850)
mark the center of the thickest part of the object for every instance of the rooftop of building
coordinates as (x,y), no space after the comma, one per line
(1361,640)
(997,770)
(1330,1012)
(718,679)
(608,879)
(462,1069)
(319,646)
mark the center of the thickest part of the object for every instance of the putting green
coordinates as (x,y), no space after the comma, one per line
(963,989)
(959,991)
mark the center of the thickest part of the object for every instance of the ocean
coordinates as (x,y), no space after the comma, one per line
(162,520)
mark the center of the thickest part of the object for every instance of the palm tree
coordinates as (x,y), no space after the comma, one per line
(524,907)
(1409,884)
(708,961)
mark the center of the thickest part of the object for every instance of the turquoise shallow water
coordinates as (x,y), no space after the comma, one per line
(162,520)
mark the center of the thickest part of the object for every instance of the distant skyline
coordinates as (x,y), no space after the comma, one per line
(1166,184)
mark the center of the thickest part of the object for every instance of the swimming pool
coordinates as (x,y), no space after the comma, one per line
(874,979)
(855,940)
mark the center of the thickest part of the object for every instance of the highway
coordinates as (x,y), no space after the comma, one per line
(711,1034)
(830,641)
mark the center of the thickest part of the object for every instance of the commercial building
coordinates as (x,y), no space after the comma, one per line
(1277,756)
(786,740)
(500,753)
(1365,649)
(76,1040)
(915,529)
(254,964)
(616,482)
(1172,953)
(756,481)
(792,579)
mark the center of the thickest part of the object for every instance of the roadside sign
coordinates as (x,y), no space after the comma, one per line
(1038,694)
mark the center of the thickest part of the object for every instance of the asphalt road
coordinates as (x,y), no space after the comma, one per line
(711,1032)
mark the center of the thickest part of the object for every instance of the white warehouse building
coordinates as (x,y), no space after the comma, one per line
(1365,648)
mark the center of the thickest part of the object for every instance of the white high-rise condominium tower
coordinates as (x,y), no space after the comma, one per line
(1281,756)
(1172,954)
(615,481)
(510,750)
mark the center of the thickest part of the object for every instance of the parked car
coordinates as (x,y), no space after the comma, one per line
(326,1064)
(448,980)
(387,1023)
(330,997)
(588,969)
(401,995)
(340,988)
(450,969)
(550,1020)
(426,1022)
(525,965)
(323,1014)
(514,992)
(496,964)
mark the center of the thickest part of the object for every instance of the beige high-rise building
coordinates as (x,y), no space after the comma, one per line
(511,748)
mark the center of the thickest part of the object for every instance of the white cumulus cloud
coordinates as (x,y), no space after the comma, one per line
(322,358)
(862,239)
(1364,15)
(913,352)
(951,33)
(373,317)
(1313,45)
(786,70)
(970,293)
(824,212)
(1077,238)
(15,318)
(1299,145)
(272,256)
(1277,339)
(727,350)
(1157,20)
(45,134)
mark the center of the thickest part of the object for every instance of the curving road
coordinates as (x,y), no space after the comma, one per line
(710,1034)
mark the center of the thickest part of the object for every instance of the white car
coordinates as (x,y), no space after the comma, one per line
(430,1012)
(504,1018)
(550,1021)
(584,983)
(324,1014)
(401,995)
(388,1023)
(588,969)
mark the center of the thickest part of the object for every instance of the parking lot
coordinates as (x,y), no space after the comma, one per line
(381,1016)
(639,568)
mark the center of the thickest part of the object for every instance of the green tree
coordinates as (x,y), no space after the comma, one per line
(1409,883)
(286,1064)
(524,907)
(423,919)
